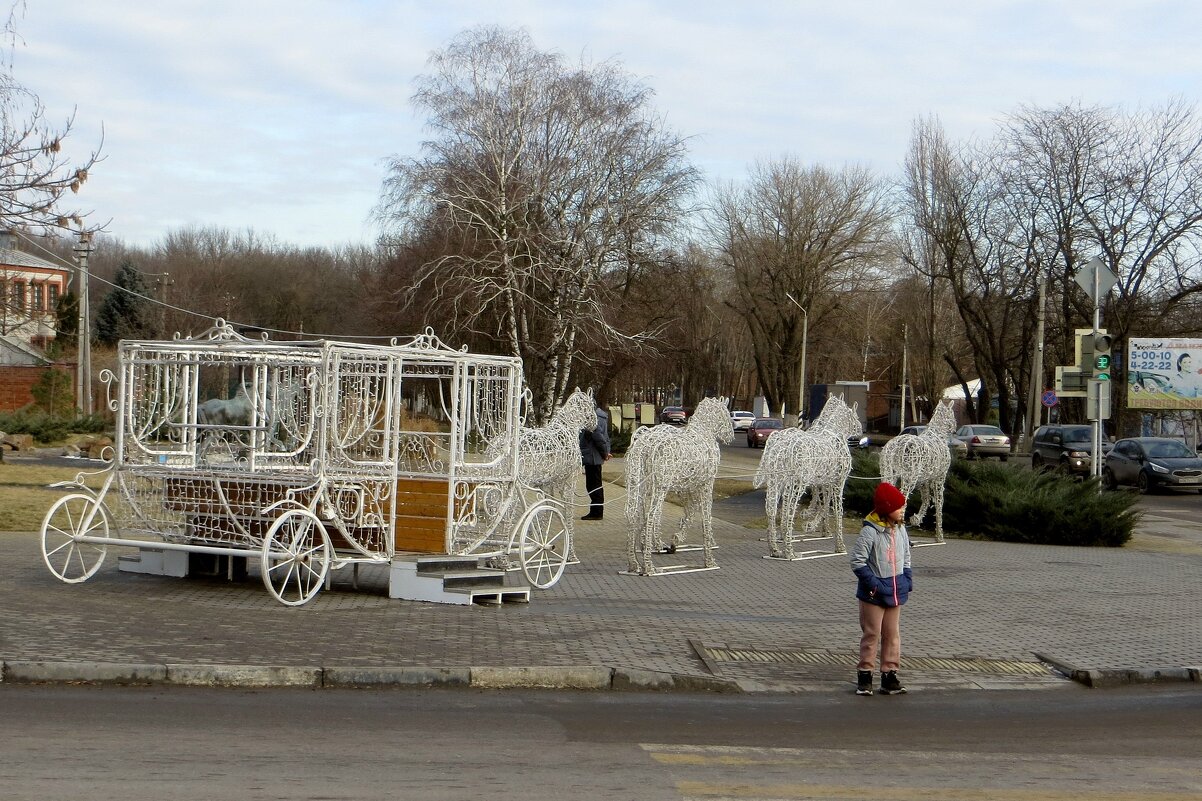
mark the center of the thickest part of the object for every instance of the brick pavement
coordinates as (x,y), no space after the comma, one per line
(1091,608)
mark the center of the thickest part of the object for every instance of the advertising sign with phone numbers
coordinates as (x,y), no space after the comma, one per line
(1164,373)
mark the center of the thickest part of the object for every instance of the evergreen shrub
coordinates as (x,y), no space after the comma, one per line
(48,428)
(1006,503)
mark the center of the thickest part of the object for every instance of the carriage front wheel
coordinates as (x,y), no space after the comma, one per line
(70,520)
(543,545)
(295,557)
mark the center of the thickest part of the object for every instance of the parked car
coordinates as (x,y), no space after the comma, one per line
(1151,463)
(741,420)
(958,448)
(762,428)
(674,415)
(1065,447)
(981,441)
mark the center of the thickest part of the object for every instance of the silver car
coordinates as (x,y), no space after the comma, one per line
(982,440)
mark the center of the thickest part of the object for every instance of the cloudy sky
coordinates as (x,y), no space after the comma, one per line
(276,115)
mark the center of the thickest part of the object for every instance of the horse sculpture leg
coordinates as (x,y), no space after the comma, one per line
(939,512)
(651,534)
(836,516)
(925,490)
(772,502)
(792,499)
(707,523)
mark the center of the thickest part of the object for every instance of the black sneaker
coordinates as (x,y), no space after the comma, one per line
(891,684)
(863,682)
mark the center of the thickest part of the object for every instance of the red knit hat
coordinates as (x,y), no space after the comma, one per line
(887,499)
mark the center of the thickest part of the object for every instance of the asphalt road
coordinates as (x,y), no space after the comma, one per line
(146,744)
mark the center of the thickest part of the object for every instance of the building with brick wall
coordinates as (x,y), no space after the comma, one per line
(29,291)
(21,367)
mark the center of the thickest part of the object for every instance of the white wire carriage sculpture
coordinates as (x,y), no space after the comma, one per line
(815,460)
(921,461)
(328,454)
(663,459)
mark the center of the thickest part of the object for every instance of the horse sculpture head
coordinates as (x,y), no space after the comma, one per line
(839,418)
(578,412)
(711,415)
(943,420)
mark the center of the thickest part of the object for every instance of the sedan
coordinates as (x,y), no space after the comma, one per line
(958,448)
(674,415)
(741,420)
(981,441)
(761,429)
(1151,463)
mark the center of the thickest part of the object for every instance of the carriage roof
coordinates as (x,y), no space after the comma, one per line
(223,338)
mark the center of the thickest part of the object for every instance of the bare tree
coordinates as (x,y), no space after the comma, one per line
(546,183)
(808,232)
(965,231)
(1099,181)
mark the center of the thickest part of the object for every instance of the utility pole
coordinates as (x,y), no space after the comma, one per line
(84,356)
(1037,363)
(805,338)
(902,409)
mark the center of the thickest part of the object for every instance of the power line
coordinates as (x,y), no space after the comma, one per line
(209,317)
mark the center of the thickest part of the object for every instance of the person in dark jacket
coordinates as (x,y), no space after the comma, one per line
(594,452)
(881,561)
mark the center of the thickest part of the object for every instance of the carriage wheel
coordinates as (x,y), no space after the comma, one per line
(69,519)
(543,545)
(295,557)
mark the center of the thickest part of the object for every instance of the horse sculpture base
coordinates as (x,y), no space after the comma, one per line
(668,570)
(801,556)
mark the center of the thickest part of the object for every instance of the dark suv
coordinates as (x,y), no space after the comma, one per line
(1064,448)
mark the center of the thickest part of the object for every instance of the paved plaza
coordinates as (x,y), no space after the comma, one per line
(983,615)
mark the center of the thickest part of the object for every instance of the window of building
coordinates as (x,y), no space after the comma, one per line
(52,297)
(19,294)
(38,292)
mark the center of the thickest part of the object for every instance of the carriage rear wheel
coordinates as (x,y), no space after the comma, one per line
(295,557)
(69,520)
(543,545)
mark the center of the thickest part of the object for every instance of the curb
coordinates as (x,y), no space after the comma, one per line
(586,677)
(1099,678)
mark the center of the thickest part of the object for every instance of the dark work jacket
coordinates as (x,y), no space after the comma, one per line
(594,445)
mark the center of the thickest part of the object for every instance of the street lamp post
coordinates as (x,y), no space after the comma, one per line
(805,332)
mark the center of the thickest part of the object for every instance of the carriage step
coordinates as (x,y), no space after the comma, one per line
(155,562)
(495,596)
(451,580)
(469,578)
(436,564)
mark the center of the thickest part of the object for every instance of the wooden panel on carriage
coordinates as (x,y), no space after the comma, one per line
(420,524)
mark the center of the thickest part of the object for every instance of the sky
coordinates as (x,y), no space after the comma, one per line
(277,116)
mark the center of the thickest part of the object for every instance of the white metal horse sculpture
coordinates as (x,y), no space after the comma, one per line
(920,462)
(663,459)
(817,459)
(549,457)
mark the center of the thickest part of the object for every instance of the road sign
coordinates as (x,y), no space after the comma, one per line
(1106,279)
(1049,398)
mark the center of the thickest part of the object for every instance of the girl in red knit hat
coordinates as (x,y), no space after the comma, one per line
(881,562)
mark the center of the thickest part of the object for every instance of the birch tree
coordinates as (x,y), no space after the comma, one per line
(546,184)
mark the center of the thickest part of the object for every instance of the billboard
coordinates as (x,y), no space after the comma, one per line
(1164,373)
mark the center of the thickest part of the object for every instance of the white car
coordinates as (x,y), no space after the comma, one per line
(741,420)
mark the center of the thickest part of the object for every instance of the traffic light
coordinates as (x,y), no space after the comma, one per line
(1100,344)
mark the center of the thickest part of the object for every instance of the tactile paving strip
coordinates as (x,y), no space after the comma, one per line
(974,665)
